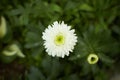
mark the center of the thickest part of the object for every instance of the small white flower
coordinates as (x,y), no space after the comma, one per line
(59,39)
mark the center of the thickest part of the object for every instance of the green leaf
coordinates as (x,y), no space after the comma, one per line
(7,59)
(72,77)
(55,7)
(105,59)
(70,5)
(23,19)
(116,29)
(55,69)
(35,74)
(36,53)
(32,40)
(85,7)
(102,75)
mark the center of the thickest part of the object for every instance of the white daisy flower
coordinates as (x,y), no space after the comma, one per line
(59,39)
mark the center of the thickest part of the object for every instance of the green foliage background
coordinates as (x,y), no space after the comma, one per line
(97,25)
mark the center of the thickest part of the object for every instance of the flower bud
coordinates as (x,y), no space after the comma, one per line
(13,50)
(3,28)
(92,59)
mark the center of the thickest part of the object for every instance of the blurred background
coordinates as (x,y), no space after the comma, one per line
(23,56)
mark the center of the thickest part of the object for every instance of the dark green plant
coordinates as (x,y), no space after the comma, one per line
(96,23)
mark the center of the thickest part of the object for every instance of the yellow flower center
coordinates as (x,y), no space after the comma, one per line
(59,39)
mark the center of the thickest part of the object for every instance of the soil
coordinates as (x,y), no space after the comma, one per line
(11,71)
